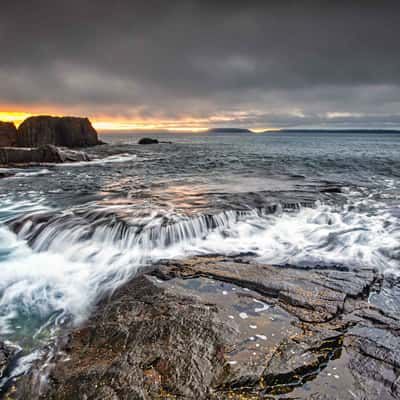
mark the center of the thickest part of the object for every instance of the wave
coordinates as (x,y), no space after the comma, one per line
(56,265)
(17,173)
(40,172)
(117,158)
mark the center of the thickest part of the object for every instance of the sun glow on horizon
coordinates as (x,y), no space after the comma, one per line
(106,123)
(16,117)
(262,130)
(102,124)
(131,126)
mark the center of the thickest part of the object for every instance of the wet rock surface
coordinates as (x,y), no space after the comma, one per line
(16,156)
(8,134)
(7,353)
(229,327)
(58,131)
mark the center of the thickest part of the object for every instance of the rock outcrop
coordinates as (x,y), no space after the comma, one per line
(6,355)
(219,328)
(8,134)
(148,141)
(58,131)
(19,156)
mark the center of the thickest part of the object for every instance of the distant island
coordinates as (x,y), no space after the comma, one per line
(334,130)
(306,130)
(228,130)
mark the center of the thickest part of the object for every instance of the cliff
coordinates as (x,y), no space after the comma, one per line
(8,134)
(58,131)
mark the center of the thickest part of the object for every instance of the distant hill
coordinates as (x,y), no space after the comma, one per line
(335,131)
(229,130)
(289,130)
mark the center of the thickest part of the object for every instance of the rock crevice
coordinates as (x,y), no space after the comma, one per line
(226,327)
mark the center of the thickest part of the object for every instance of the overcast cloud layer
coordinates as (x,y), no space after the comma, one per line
(240,63)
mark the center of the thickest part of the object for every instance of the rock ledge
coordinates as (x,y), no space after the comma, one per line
(228,327)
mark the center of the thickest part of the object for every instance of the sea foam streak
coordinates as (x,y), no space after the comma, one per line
(117,158)
(72,260)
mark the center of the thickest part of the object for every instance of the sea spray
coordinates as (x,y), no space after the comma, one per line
(62,263)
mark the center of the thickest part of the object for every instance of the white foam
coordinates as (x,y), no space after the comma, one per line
(67,270)
(263,307)
(117,158)
(26,173)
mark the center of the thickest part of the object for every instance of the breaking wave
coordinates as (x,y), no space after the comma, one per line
(55,265)
(117,158)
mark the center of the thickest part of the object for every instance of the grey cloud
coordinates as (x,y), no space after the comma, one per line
(201,58)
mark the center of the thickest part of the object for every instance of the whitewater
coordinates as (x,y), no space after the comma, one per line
(71,234)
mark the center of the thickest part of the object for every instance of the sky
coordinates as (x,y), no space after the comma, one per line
(187,64)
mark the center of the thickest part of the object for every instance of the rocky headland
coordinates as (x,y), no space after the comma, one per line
(8,134)
(58,131)
(45,139)
(231,328)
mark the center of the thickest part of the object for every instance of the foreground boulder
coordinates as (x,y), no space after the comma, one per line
(58,131)
(219,328)
(148,141)
(7,353)
(16,156)
(8,134)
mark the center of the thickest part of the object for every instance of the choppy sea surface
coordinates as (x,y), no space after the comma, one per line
(71,233)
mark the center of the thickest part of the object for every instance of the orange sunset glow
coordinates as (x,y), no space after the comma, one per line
(104,123)
(107,123)
(13,116)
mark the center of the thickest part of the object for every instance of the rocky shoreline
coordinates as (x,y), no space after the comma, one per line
(45,139)
(229,327)
(25,157)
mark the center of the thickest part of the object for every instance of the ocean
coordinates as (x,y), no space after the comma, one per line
(72,233)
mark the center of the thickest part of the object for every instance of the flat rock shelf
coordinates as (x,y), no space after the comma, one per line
(230,328)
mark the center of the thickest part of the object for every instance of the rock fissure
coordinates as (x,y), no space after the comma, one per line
(197,332)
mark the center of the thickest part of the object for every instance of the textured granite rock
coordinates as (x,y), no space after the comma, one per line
(58,131)
(8,134)
(19,156)
(219,328)
(6,354)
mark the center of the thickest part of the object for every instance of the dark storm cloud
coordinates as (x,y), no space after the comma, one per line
(299,60)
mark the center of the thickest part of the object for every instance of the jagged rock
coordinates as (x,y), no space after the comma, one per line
(226,327)
(16,156)
(58,131)
(331,189)
(148,141)
(6,174)
(8,134)
(6,354)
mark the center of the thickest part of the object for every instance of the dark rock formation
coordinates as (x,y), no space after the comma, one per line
(6,355)
(148,141)
(58,131)
(331,189)
(8,134)
(16,156)
(219,328)
(6,174)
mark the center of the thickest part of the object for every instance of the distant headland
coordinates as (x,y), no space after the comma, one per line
(306,130)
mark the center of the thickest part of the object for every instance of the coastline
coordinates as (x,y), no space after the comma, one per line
(332,284)
(229,327)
